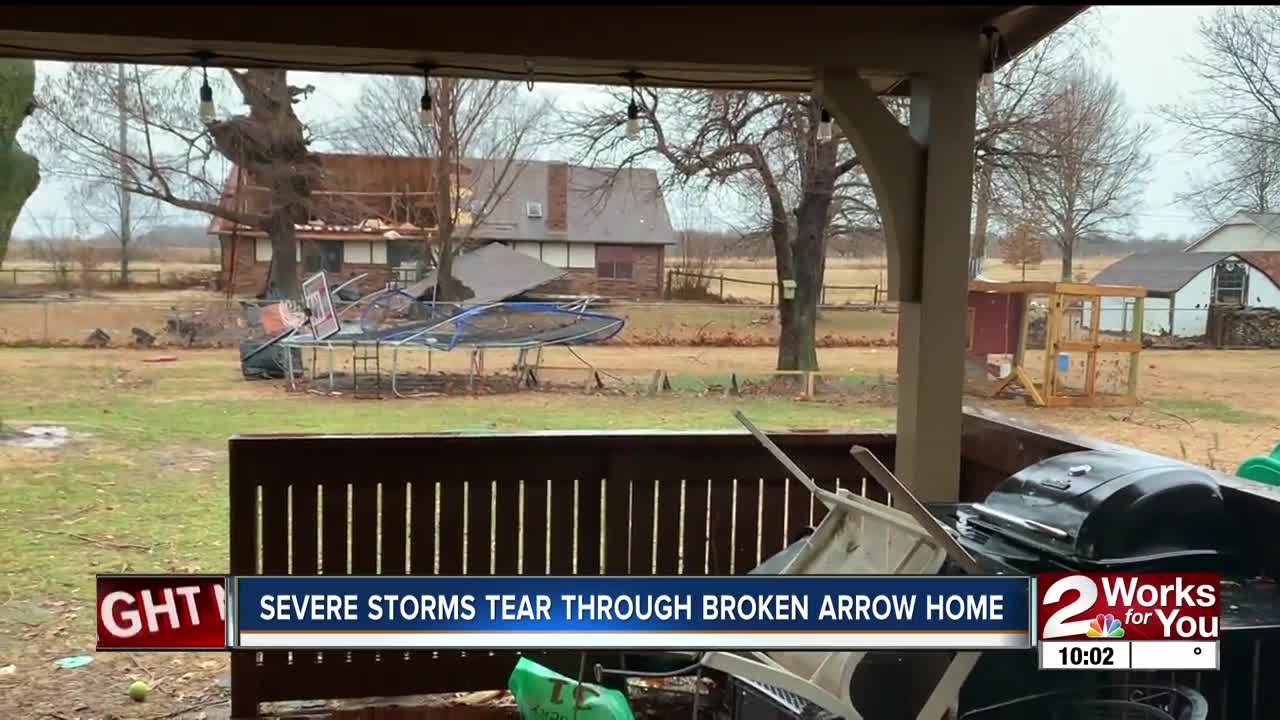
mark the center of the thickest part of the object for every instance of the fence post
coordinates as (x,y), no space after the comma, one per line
(157,276)
(772,286)
(823,298)
(45,305)
(721,287)
(670,274)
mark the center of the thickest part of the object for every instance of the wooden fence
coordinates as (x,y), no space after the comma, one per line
(719,280)
(579,503)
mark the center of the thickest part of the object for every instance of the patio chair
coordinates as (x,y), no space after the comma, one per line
(857,537)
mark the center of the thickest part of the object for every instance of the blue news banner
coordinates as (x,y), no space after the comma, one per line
(753,612)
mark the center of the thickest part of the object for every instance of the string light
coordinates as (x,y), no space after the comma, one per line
(426,117)
(208,113)
(633,114)
(988,81)
(824,126)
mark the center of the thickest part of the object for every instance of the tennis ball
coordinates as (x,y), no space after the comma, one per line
(138,690)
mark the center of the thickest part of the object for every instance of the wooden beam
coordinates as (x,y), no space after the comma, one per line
(894,163)
(931,353)
(1126,346)
(1091,372)
(1135,360)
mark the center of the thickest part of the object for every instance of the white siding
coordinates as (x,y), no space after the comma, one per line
(1191,305)
(582,255)
(532,249)
(379,252)
(262,250)
(1262,291)
(356,252)
(555,254)
(1238,238)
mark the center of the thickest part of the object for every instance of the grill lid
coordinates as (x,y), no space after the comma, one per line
(1100,507)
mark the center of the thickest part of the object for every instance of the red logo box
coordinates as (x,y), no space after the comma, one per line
(1127,606)
(162,612)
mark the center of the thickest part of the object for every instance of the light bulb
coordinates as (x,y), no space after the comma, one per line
(426,118)
(208,113)
(633,120)
(824,126)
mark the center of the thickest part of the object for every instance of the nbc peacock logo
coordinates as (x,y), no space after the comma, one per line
(1105,626)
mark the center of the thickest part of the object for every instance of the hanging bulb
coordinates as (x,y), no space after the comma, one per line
(208,113)
(988,80)
(824,126)
(633,120)
(426,117)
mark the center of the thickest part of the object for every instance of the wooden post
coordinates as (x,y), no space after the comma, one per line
(1091,376)
(667,293)
(722,287)
(1134,359)
(772,286)
(823,296)
(1020,353)
(808,385)
(1051,345)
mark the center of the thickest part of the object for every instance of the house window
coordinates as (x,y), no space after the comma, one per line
(615,262)
(262,250)
(532,249)
(404,252)
(356,252)
(582,255)
(1230,280)
(324,255)
(555,254)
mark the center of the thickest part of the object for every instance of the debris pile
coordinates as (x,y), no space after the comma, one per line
(1252,327)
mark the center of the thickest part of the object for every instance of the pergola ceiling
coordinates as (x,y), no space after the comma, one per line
(766,47)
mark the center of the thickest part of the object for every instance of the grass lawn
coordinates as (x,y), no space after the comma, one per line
(141,486)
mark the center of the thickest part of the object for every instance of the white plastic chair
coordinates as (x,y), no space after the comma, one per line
(857,537)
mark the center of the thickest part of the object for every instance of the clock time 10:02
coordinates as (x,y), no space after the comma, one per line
(1077,656)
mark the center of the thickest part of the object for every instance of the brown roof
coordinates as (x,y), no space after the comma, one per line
(365,196)
(1266,261)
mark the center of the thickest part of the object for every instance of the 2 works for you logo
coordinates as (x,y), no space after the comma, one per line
(1129,606)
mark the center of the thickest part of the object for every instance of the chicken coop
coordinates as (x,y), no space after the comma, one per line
(1045,341)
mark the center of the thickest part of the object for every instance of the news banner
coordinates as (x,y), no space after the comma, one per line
(1076,621)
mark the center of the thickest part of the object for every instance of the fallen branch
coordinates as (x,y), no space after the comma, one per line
(95,541)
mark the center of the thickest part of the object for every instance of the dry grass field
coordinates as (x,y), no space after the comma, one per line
(869,272)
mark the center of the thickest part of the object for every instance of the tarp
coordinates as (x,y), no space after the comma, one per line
(493,273)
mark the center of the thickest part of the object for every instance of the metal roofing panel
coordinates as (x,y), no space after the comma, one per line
(493,272)
(1164,272)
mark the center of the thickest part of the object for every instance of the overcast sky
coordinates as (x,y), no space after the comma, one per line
(1142,47)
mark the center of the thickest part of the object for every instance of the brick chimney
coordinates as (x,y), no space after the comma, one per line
(558,197)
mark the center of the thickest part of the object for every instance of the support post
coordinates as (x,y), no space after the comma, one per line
(932,345)
(1135,357)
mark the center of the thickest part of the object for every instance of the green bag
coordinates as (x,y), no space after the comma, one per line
(543,694)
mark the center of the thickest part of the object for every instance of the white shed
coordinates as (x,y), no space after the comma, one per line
(1182,286)
(1242,232)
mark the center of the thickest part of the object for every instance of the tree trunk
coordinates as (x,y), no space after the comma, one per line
(283,282)
(804,260)
(982,215)
(1068,246)
(125,199)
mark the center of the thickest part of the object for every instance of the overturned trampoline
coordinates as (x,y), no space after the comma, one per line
(393,322)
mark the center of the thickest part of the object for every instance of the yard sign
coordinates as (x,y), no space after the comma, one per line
(324,321)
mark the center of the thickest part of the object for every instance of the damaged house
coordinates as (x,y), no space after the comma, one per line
(607,230)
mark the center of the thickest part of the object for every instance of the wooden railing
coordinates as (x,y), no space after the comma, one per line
(564,503)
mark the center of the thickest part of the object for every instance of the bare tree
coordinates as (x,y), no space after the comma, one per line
(1231,125)
(1093,157)
(174,156)
(1020,247)
(108,209)
(766,146)
(482,135)
(1012,108)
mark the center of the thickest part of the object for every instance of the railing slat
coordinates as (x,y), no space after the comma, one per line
(479,525)
(506,526)
(535,525)
(422,526)
(642,495)
(746,525)
(720,547)
(452,511)
(773,505)
(670,500)
(589,524)
(694,543)
(393,528)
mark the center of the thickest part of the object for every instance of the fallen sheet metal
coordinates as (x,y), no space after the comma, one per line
(493,273)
